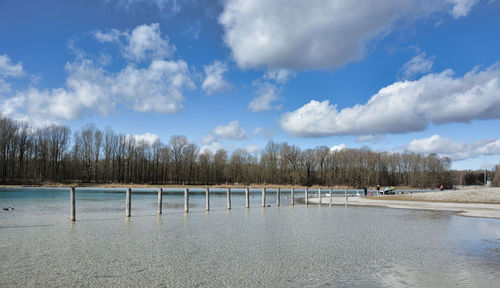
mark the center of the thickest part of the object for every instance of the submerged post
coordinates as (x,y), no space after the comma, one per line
(128,204)
(207,199)
(331,196)
(72,203)
(247,197)
(278,197)
(160,200)
(228,198)
(263,197)
(186,200)
(292,192)
(319,195)
(306,196)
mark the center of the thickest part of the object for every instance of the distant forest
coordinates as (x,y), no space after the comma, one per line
(53,154)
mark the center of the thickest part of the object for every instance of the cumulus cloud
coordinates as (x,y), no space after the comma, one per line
(211,147)
(143,42)
(462,7)
(404,106)
(214,78)
(317,34)
(418,65)
(230,131)
(9,69)
(447,147)
(336,148)
(267,94)
(157,88)
(148,138)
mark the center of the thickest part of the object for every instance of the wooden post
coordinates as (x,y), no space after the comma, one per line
(128,204)
(263,197)
(247,197)
(292,192)
(319,195)
(228,198)
(207,199)
(305,199)
(72,203)
(278,197)
(160,200)
(186,200)
(331,196)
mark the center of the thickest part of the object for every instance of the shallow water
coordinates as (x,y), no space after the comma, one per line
(289,246)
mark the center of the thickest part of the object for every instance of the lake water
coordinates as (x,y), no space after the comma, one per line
(286,246)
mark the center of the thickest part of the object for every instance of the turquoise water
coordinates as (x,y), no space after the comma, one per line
(286,246)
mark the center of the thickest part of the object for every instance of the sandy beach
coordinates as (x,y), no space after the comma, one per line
(469,201)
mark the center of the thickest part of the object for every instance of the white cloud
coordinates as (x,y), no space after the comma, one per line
(211,147)
(267,94)
(404,106)
(418,65)
(446,147)
(148,138)
(230,131)
(157,88)
(9,69)
(281,76)
(462,7)
(264,133)
(252,149)
(317,34)
(214,78)
(170,6)
(112,35)
(336,148)
(144,42)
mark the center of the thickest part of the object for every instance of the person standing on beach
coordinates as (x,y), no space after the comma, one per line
(442,187)
(366,190)
(378,189)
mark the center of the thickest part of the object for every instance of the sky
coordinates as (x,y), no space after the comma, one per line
(408,75)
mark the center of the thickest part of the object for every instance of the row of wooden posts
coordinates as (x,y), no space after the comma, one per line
(128,204)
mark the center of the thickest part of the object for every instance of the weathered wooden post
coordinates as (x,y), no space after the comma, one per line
(292,192)
(247,197)
(263,197)
(278,197)
(186,200)
(128,204)
(331,196)
(207,199)
(319,195)
(306,196)
(228,198)
(160,200)
(72,203)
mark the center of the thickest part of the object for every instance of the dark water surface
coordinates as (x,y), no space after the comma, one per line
(287,246)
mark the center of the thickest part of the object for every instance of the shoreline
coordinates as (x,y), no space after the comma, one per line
(474,202)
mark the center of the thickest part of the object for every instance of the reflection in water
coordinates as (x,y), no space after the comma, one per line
(290,246)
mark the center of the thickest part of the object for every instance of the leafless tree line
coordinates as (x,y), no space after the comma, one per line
(90,155)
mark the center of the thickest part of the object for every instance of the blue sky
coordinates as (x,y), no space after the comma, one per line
(389,75)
